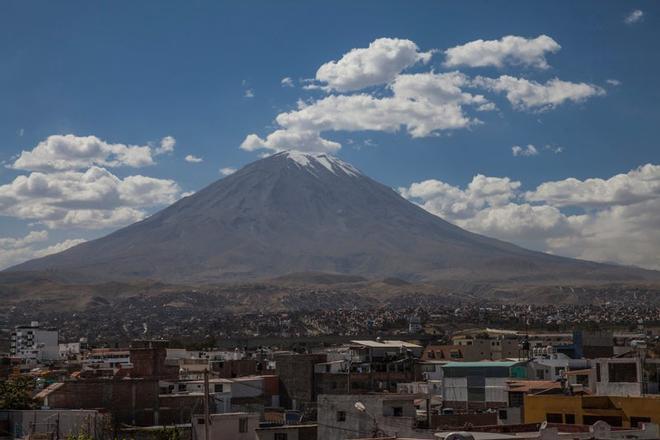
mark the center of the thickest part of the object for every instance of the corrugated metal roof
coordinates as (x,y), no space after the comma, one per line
(507,364)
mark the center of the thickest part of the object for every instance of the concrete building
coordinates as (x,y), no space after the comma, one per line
(479,385)
(288,432)
(617,376)
(550,365)
(228,426)
(106,362)
(627,412)
(34,342)
(296,377)
(366,415)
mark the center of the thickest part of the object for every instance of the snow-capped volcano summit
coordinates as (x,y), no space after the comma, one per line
(298,212)
(310,161)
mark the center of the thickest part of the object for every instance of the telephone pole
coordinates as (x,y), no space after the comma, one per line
(206,405)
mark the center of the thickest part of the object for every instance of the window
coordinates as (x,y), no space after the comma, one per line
(610,420)
(218,387)
(200,421)
(502,414)
(182,387)
(280,436)
(243,424)
(598,372)
(569,419)
(624,372)
(341,416)
(636,422)
(397,411)
(554,418)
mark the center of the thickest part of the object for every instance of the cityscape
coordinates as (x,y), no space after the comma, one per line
(329,220)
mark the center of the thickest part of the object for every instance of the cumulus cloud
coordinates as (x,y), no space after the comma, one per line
(166,146)
(421,104)
(609,220)
(613,82)
(524,94)
(92,199)
(638,185)
(509,50)
(249,93)
(193,159)
(634,17)
(226,171)
(286,82)
(18,250)
(70,152)
(377,64)
(529,150)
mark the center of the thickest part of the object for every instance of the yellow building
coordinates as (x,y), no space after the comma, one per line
(626,412)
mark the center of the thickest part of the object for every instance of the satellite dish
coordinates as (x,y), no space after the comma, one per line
(360,407)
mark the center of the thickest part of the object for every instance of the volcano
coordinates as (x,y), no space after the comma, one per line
(308,213)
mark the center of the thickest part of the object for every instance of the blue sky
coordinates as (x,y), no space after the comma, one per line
(210,73)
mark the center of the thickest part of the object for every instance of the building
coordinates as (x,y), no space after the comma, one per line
(34,342)
(617,411)
(287,432)
(106,362)
(366,415)
(479,385)
(228,426)
(481,347)
(616,376)
(296,376)
(550,365)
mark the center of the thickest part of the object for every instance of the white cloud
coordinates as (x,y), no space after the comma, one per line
(634,17)
(193,159)
(226,171)
(422,104)
(613,82)
(70,152)
(610,220)
(166,146)
(377,64)
(635,186)
(286,82)
(511,50)
(529,150)
(453,203)
(249,93)
(18,250)
(91,199)
(524,94)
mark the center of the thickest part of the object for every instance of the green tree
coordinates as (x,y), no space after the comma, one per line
(16,393)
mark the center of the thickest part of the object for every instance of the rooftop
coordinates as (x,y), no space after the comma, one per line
(386,344)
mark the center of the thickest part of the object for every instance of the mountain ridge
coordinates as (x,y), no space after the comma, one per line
(296,212)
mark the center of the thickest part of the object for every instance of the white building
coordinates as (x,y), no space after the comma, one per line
(549,365)
(227,426)
(107,362)
(34,342)
(342,416)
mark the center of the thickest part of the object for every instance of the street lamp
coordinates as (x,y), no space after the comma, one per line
(376,431)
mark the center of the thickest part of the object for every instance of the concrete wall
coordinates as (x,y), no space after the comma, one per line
(357,424)
(227,426)
(302,432)
(296,372)
(61,423)
(133,401)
